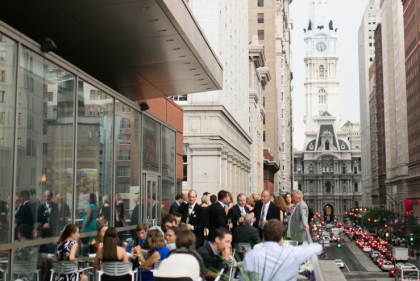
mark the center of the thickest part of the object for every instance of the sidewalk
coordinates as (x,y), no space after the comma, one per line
(361,257)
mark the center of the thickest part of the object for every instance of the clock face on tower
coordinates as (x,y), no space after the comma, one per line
(321,46)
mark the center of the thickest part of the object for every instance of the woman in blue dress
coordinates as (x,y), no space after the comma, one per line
(158,252)
(90,215)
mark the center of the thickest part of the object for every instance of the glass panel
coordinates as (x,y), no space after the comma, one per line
(45,144)
(153,210)
(26,262)
(151,145)
(4,263)
(127,180)
(7,109)
(94,157)
(168,168)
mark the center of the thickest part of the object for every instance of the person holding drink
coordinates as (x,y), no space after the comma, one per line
(236,213)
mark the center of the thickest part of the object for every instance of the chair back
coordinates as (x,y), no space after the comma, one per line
(26,264)
(65,267)
(116,268)
(181,264)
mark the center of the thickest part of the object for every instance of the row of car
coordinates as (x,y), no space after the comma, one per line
(378,252)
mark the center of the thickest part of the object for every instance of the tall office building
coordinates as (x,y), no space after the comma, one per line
(328,170)
(412,53)
(366,38)
(395,103)
(269,20)
(217,140)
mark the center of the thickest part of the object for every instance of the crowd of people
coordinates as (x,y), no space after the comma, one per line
(211,227)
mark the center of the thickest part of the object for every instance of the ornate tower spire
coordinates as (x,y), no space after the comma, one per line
(322,98)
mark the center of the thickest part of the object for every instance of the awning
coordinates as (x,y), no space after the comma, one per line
(141,48)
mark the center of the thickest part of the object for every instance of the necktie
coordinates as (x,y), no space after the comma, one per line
(243,211)
(260,222)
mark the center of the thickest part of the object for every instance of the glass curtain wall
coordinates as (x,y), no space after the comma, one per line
(95,156)
(67,148)
(8,63)
(151,168)
(45,143)
(127,178)
(168,168)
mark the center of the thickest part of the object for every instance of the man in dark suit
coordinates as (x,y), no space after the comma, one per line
(217,215)
(245,233)
(192,216)
(34,204)
(48,215)
(24,214)
(265,210)
(236,213)
(175,206)
(135,215)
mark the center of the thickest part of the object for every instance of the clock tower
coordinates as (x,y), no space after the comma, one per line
(327,170)
(321,84)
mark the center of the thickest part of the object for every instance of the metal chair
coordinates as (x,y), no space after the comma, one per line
(181,265)
(66,268)
(25,268)
(116,269)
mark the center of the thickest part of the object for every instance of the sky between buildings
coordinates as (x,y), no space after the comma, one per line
(347,18)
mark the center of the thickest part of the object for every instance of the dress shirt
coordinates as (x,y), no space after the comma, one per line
(265,208)
(277,262)
(243,213)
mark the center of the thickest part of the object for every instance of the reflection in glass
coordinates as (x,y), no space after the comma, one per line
(127,180)
(94,148)
(151,145)
(45,140)
(8,48)
(168,168)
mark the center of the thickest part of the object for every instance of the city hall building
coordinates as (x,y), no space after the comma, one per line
(328,169)
(72,77)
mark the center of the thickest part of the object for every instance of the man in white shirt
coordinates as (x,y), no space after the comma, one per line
(276,262)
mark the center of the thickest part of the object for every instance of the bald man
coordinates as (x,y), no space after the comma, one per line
(265,210)
(193,217)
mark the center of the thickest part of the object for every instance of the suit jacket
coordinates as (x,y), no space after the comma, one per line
(174,208)
(235,214)
(296,221)
(24,215)
(196,220)
(135,215)
(246,234)
(273,212)
(44,216)
(217,218)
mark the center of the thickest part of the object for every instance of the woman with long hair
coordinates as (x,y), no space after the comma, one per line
(98,241)
(104,214)
(289,206)
(90,215)
(66,251)
(279,201)
(111,252)
(157,253)
(251,200)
